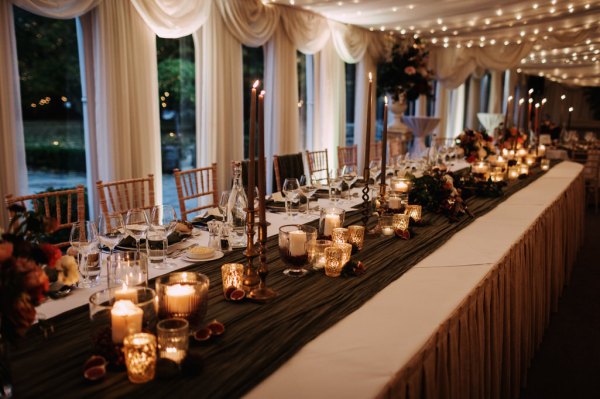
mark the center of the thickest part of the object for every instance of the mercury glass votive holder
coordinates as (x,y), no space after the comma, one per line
(414,212)
(333,261)
(183,295)
(545,164)
(513,172)
(173,339)
(232,275)
(346,251)
(316,253)
(356,236)
(386,225)
(401,222)
(140,357)
(340,235)
(330,219)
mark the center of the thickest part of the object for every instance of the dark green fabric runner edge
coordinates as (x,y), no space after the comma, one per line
(258,338)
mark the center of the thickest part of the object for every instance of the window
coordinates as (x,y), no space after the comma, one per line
(253,70)
(51,95)
(350,97)
(177,97)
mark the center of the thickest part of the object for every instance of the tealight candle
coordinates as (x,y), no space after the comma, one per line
(339,235)
(521,152)
(316,253)
(414,212)
(385,223)
(523,169)
(140,357)
(401,185)
(298,242)
(173,339)
(545,164)
(541,150)
(356,236)
(513,172)
(497,176)
(126,293)
(510,155)
(530,160)
(126,318)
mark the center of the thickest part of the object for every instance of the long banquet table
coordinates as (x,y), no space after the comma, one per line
(464,321)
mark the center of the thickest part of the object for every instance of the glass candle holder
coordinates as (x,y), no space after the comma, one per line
(356,236)
(530,160)
(333,261)
(340,235)
(346,251)
(396,201)
(521,152)
(128,267)
(523,169)
(414,212)
(386,225)
(401,222)
(183,295)
(232,275)
(316,253)
(545,164)
(501,163)
(513,172)
(481,170)
(173,339)
(330,219)
(400,184)
(541,150)
(294,241)
(140,357)
(118,312)
(497,176)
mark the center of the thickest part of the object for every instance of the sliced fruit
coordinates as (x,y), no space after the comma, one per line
(216,327)
(228,292)
(237,295)
(203,334)
(95,361)
(94,373)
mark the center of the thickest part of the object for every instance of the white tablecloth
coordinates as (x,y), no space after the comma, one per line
(366,354)
(421,126)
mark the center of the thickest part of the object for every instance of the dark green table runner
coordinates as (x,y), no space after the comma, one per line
(258,338)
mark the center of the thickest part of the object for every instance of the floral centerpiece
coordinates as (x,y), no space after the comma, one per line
(512,139)
(405,71)
(476,145)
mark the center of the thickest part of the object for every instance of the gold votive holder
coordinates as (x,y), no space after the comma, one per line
(386,225)
(183,295)
(346,251)
(545,163)
(140,357)
(523,169)
(173,339)
(356,236)
(401,221)
(414,212)
(316,253)
(513,172)
(330,219)
(232,275)
(340,235)
(333,261)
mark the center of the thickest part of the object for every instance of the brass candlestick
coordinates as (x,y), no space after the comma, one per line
(251,278)
(366,198)
(381,209)
(262,293)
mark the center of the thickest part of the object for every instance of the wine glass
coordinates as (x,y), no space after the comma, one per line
(163,221)
(223,200)
(84,236)
(136,225)
(374,170)
(335,185)
(309,190)
(350,176)
(290,190)
(294,241)
(111,230)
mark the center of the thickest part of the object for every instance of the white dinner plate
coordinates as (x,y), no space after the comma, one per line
(217,255)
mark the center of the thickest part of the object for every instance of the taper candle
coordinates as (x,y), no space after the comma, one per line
(508,100)
(384,141)
(262,218)
(368,135)
(251,152)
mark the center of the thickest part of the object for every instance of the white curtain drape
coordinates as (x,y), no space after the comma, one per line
(495,97)
(251,22)
(473,101)
(60,9)
(126,86)
(219,104)
(13,168)
(173,18)
(457,112)
(350,41)
(441,110)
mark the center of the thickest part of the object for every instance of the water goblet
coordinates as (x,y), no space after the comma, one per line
(163,221)
(84,236)
(136,225)
(223,201)
(309,190)
(290,190)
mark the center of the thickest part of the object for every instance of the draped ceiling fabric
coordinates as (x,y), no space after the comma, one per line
(126,85)
(13,169)
(173,18)
(60,9)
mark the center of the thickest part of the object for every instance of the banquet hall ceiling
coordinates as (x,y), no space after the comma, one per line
(565,34)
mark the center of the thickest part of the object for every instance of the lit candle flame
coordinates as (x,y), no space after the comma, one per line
(570,109)
(544,101)
(510,98)
(521,101)
(537,105)
(256,83)
(262,93)
(530,91)
(385,100)
(563,97)
(370,77)
(530,100)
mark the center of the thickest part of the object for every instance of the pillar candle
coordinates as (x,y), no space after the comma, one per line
(126,293)
(331,222)
(297,243)
(180,299)
(126,318)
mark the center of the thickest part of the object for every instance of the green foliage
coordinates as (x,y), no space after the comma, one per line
(177,78)
(56,158)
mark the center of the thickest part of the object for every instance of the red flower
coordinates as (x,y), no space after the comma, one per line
(471,158)
(34,281)
(52,253)
(6,250)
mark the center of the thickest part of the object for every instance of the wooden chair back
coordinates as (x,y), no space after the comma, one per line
(194,184)
(376,151)
(348,156)
(285,166)
(52,205)
(318,165)
(122,195)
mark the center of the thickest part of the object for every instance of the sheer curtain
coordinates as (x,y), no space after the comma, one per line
(13,169)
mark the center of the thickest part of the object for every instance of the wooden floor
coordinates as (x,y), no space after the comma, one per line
(567,364)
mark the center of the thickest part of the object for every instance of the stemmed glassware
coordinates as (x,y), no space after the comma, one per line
(335,185)
(163,221)
(111,230)
(374,170)
(223,200)
(350,176)
(294,241)
(308,190)
(136,225)
(290,190)
(84,236)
